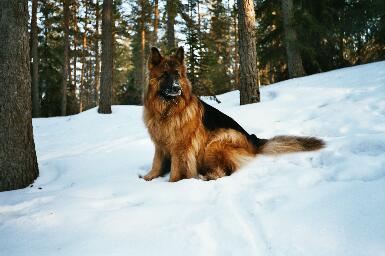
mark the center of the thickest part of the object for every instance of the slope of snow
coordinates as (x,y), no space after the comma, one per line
(89,200)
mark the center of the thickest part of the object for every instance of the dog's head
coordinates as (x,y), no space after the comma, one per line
(167,77)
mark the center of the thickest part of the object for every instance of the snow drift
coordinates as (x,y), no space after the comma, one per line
(89,200)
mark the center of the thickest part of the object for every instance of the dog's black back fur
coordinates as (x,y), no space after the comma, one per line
(214,119)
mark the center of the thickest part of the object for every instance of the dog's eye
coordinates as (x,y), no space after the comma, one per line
(177,76)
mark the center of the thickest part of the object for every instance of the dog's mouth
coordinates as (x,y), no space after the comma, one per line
(172,92)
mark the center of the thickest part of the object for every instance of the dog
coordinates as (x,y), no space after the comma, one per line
(193,139)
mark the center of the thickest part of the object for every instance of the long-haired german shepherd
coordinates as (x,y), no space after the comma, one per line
(193,139)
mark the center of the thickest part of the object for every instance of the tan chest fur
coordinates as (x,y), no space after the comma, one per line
(173,130)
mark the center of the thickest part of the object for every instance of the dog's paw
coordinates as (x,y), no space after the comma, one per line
(202,177)
(147,177)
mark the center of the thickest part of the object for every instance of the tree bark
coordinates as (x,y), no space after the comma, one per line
(75,43)
(156,23)
(84,50)
(18,163)
(236,55)
(107,61)
(142,45)
(97,57)
(170,24)
(65,57)
(249,90)
(76,28)
(294,60)
(35,62)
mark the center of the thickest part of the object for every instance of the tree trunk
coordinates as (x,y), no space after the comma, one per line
(65,57)
(76,28)
(97,57)
(170,24)
(107,61)
(142,57)
(142,45)
(294,60)
(75,43)
(236,55)
(156,23)
(84,50)
(35,62)
(249,89)
(18,163)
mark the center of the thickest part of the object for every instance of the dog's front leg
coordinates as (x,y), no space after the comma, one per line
(158,165)
(183,166)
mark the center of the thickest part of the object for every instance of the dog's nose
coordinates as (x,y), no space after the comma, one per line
(175,86)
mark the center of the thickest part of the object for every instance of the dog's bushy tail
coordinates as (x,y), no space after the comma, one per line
(290,144)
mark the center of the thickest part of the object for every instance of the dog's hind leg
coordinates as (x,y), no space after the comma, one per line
(224,155)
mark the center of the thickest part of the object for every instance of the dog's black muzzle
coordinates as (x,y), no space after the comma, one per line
(172,90)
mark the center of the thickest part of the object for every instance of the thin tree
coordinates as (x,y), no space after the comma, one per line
(249,89)
(35,62)
(97,54)
(18,164)
(84,51)
(75,13)
(294,60)
(170,24)
(235,53)
(142,42)
(75,45)
(65,57)
(107,61)
(156,23)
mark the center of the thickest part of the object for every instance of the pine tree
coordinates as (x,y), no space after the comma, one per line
(156,23)
(66,8)
(18,163)
(218,41)
(294,59)
(249,89)
(107,61)
(84,59)
(72,100)
(192,41)
(35,61)
(142,31)
(97,54)
(171,10)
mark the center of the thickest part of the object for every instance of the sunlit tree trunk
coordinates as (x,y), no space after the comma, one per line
(97,54)
(81,88)
(156,23)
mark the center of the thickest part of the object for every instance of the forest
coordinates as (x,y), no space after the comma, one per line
(292,38)
(105,149)
(60,58)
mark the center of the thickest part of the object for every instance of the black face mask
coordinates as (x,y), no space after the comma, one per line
(169,86)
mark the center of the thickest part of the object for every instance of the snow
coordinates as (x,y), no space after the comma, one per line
(89,200)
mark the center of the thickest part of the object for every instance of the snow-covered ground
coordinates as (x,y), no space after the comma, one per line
(89,200)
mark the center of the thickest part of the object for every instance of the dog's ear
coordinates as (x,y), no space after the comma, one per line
(179,55)
(155,57)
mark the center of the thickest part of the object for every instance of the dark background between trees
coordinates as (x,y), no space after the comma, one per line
(293,38)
